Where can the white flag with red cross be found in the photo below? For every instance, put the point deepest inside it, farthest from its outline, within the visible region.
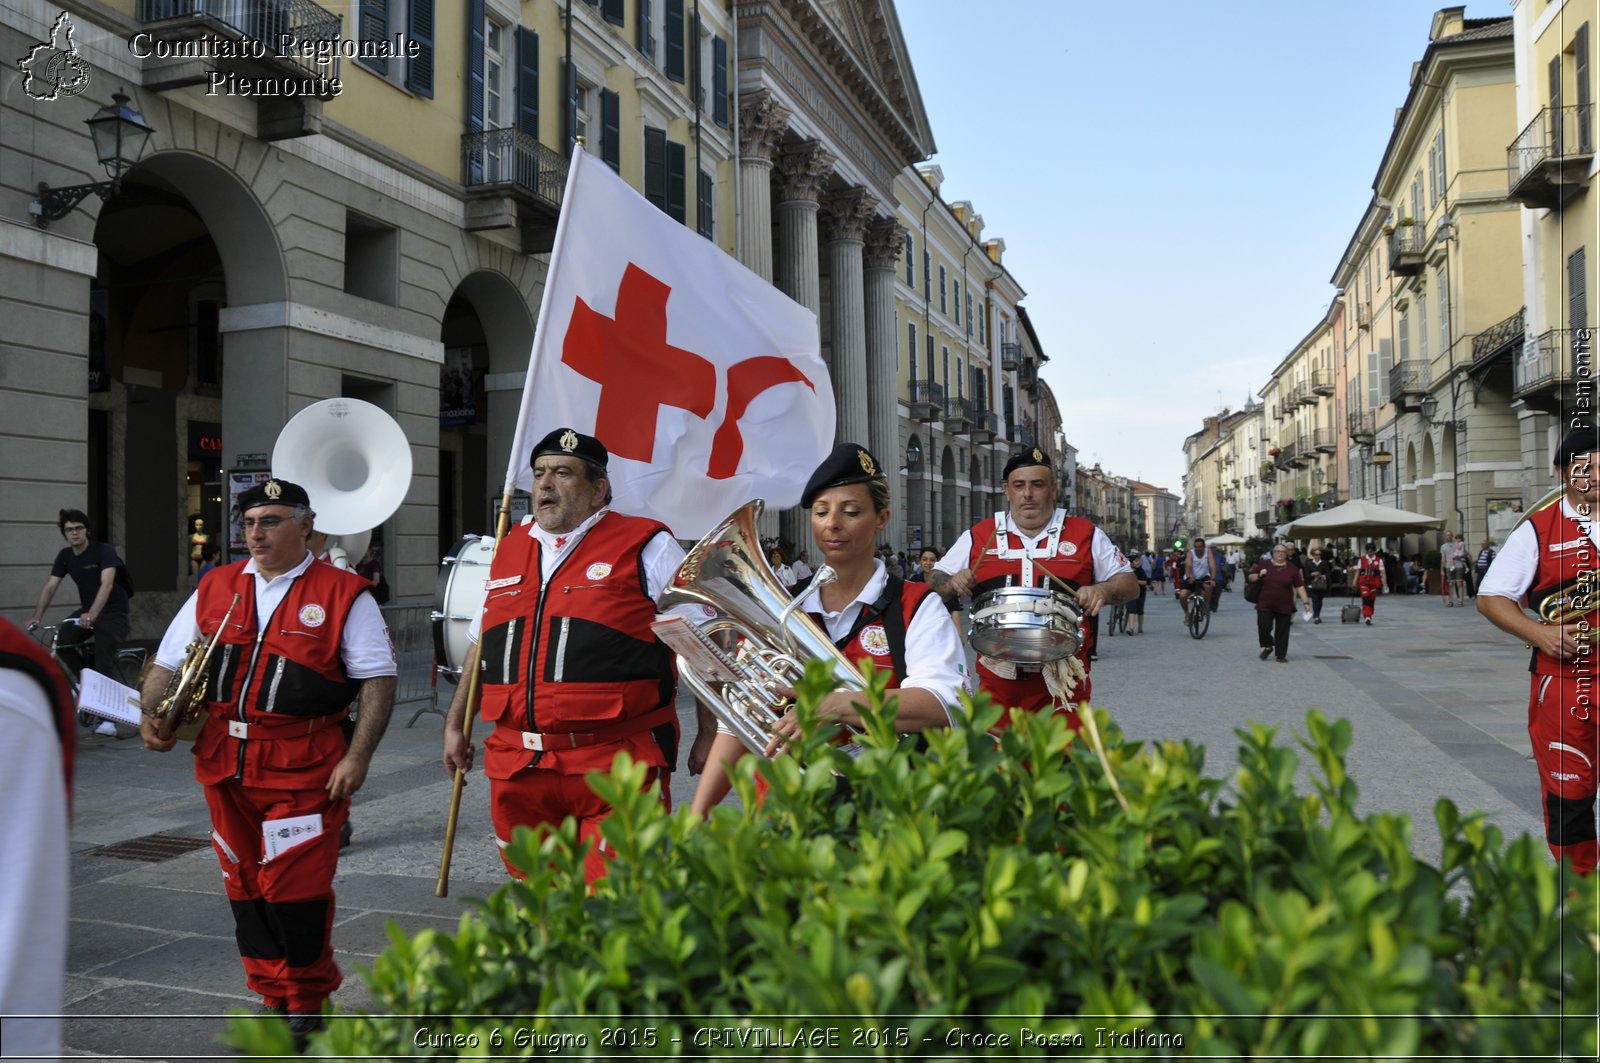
(704, 382)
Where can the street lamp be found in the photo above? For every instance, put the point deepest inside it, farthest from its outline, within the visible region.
(1429, 406)
(120, 134)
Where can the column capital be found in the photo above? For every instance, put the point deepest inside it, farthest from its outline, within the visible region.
(762, 120)
(802, 170)
(847, 212)
(886, 238)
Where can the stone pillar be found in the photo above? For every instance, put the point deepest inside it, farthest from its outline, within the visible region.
(885, 239)
(845, 215)
(761, 124)
(802, 170)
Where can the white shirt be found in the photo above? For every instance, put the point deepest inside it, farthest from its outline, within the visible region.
(34, 882)
(802, 571)
(1517, 563)
(660, 559)
(935, 660)
(365, 649)
(1108, 560)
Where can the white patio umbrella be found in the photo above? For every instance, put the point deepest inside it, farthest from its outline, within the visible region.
(1358, 517)
(1226, 539)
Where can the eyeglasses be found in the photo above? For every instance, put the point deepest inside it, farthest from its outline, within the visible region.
(266, 524)
(74, 528)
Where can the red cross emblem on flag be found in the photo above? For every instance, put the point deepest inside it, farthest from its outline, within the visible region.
(705, 383)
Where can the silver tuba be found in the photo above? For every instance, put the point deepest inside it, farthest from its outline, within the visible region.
(728, 576)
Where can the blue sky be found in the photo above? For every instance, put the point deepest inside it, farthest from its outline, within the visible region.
(1174, 184)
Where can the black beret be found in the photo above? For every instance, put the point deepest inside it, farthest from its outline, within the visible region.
(1022, 459)
(565, 442)
(274, 493)
(1578, 441)
(850, 463)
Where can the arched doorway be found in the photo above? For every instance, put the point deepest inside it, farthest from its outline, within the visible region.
(950, 492)
(918, 531)
(182, 241)
(487, 334)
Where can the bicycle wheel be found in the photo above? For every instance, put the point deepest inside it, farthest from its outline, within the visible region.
(1199, 617)
(1119, 619)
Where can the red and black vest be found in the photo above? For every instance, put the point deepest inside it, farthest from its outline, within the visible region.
(19, 652)
(879, 633)
(286, 681)
(1072, 563)
(1566, 557)
(576, 655)
(1369, 576)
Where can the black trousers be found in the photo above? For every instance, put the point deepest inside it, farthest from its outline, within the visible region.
(108, 632)
(1272, 631)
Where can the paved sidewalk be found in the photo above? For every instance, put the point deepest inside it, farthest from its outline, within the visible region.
(1436, 696)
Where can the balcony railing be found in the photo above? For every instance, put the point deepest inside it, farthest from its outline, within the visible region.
(955, 416)
(1547, 363)
(1324, 441)
(1405, 250)
(1406, 384)
(1549, 161)
(1363, 427)
(1264, 518)
(1321, 382)
(1019, 435)
(1499, 338)
(270, 22)
(512, 180)
(985, 426)
(927, 400)
(1286, 452)
(1299, 454)
(1010, 356)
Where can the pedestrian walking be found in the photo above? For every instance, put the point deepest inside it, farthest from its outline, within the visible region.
(1281, 583)
(1319, 573)
(1370, 581)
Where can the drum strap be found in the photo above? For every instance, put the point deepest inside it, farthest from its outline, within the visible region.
(887, 609)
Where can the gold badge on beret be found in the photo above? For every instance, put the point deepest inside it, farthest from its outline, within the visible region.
(273, 489)
(1038, 455)
(867, 465)
(569, 441)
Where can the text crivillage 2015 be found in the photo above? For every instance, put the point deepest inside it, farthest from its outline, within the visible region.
(317, 51)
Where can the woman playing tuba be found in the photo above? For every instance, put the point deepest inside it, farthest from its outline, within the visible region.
(868, 612)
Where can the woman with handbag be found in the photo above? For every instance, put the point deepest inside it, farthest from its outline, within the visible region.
(1273, 585)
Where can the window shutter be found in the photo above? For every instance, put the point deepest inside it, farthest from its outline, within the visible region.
(374, 15)
(911, 349)
(911, 250)
(641, 31)
(611, 130)
(1577, 282)
(475, 16)
(719, 81)
(1555, 106)
(528, 81)
(672, 31)
(1580, 69)
(419, 74)
(612, 11)
(655, 167)
(677, 183)
(705, 222)
(569, 106)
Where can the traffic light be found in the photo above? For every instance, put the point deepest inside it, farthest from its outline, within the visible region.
(1177, 544)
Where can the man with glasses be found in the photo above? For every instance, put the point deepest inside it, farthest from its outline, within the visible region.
(103, 612)
(304, 640)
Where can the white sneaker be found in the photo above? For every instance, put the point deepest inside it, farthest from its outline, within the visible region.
(1367, 621)
(106, 728)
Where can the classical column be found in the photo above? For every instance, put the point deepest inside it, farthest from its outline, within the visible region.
(802, 169)
(761, 124)
(845, 215)
(885, 240)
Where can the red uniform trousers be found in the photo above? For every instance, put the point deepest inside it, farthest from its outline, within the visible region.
(541, 799)
(283, 908)
(1566, 747)
(1029, 692)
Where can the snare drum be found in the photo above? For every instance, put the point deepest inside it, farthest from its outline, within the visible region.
(458, 599)
(1024, 625)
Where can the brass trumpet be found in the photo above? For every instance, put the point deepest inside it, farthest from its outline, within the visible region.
(1573, 602)
(182, 705)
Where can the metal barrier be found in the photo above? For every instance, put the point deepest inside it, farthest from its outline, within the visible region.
(411, 629)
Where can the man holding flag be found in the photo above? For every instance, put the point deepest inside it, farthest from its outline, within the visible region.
(666, 379)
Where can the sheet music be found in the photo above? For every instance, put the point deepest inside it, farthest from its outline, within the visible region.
(102, 696)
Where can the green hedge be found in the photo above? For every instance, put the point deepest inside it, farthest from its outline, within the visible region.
(968, 899)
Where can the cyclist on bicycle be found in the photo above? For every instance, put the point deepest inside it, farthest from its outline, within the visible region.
(103, 612)
(1201, 567)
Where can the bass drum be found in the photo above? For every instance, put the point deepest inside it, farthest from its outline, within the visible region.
(458, 598)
